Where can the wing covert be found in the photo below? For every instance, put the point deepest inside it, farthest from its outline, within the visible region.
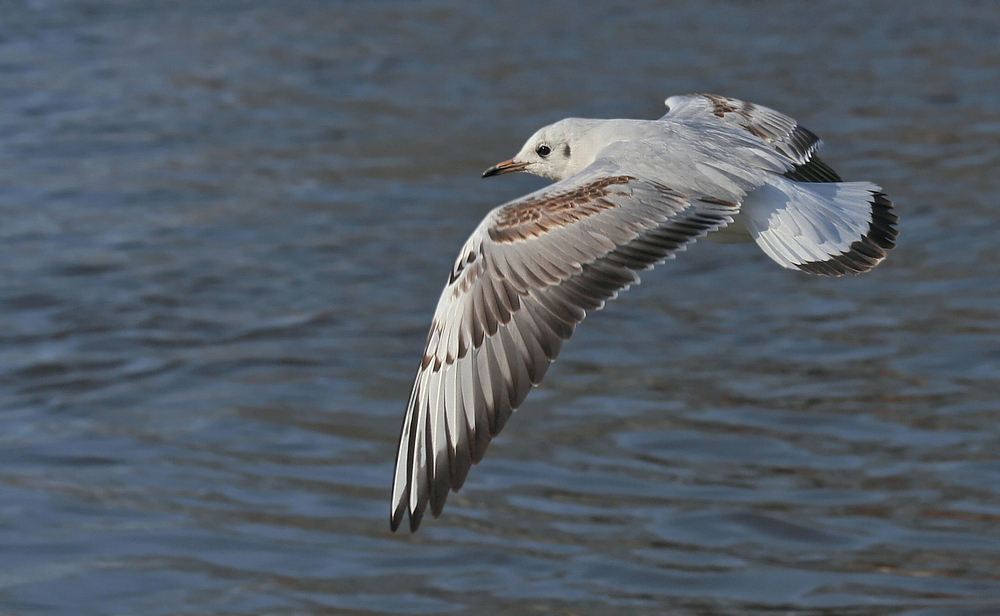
(783, 133)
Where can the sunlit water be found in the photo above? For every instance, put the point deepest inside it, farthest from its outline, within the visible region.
(225, 226)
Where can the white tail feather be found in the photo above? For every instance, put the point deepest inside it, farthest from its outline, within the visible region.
(799, 223)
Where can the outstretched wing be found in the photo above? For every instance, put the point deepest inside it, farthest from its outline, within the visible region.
(824, 226)
(524, 279)
(784, 134)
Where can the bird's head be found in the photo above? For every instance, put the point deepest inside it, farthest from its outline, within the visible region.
(554, 152)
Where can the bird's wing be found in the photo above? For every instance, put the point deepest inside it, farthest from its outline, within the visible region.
(524, 279)
(783, 133)
(824, 226)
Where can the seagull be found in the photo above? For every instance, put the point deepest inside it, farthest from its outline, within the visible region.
(628, 194)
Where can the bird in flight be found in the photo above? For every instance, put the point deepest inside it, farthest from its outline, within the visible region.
(628, 194)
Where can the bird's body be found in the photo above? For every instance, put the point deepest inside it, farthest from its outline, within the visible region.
(628, 194)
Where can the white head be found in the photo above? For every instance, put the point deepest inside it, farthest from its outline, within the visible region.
(555, 152)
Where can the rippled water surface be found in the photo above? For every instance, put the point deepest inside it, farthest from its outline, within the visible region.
(224, 229)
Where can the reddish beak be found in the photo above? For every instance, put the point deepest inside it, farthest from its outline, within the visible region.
(506, 166)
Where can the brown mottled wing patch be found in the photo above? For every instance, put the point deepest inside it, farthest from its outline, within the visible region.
(782, 132)
(521, 284)
(532, 217)
(867, 252)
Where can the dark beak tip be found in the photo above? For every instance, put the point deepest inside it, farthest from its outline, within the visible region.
(506, 166)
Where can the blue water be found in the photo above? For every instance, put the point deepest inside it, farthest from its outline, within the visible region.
(224, 229)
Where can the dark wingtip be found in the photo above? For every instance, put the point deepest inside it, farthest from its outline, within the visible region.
(396, 515)
(813, 170)
(439, 495)
(415, 518)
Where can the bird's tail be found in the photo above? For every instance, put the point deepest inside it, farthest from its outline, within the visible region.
(831, 228)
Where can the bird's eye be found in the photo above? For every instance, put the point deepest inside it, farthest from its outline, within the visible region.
(543, 150)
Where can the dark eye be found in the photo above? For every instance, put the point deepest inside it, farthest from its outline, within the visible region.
(543, 150)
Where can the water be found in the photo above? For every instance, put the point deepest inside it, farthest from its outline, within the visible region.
(225, 226)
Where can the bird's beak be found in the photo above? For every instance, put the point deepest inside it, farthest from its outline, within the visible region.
(506, 166)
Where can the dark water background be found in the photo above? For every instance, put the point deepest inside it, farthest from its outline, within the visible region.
(223, 229)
